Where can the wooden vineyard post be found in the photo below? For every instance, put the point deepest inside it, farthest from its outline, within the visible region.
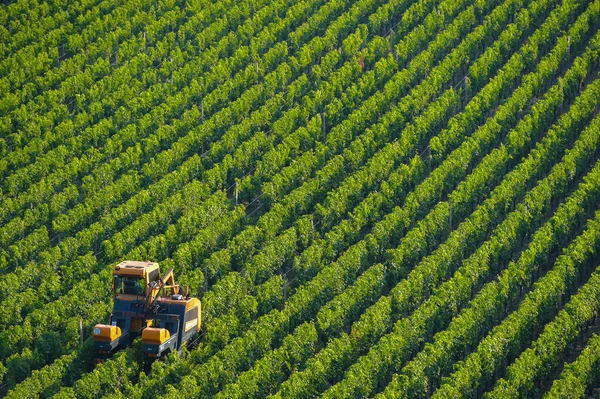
(284, 287)
(206, 279)
(81, 332)
(392, 49)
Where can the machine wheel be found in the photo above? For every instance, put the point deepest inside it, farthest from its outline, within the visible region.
(165, 354)
(193, 342)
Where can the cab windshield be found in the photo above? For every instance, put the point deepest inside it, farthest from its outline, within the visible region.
(129, 285)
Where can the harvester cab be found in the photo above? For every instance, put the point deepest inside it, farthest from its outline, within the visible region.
(143, 299)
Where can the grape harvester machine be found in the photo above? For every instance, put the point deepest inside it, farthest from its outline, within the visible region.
(146, 303)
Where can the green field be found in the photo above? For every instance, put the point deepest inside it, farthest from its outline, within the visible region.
(371, 198)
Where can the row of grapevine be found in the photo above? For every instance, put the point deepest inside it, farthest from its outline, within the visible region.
(372, 135)
(28, 22)
(361, 193)
(547, 351)
(275, 366)
(70, 197)
(313, 381)
(244, 240)
(361, 367)
(308, 380)
(179, 98)
(100, 131)
(326, 325)
(51, 101)
(157, 190)
(578, 377)
(425, 370)
(38, 59)
(42, 322)
(420, 239)
(507, 339)
(148, 54)
(228, 326)
(409, 333)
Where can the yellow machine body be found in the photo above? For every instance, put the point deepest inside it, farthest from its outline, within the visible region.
(106, 333)
(150, 305)
(155, 336)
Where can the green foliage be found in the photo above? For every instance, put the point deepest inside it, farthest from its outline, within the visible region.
(370, 198)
